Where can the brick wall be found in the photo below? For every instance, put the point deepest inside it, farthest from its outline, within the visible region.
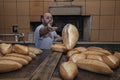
(105, 16)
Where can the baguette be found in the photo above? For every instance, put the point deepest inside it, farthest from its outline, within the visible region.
(70, 36)
(26, 57)
(117, 54)
(92, 48)
(35, 50)
(111, 61)
(5, 48)
(95, 57)
(17, 59)
(93, 53)
(32, 55)
(75, 57)
(98, 49)
(58, 47)
(81, 49)
(94, 66)
(18, 48)
(106, 52)
(71, 52)
(68, 70)
(8, 65)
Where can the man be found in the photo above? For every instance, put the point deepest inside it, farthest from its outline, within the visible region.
(45, 34)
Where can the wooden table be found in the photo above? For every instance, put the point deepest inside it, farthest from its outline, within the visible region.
(38, 69)
(46, 67)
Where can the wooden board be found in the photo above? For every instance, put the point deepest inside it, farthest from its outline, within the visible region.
(47, 67)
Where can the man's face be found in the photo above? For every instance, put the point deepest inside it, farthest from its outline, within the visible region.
(48, 18)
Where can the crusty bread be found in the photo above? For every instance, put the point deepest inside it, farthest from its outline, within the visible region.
(99, 49)
(68, 70)
(71, 52)
(106, 52)
(94, 66)
(70, 36)
(92, 48)
(5, 48)
(93, 53)
(17, 59)
(35, 50)
(111, 61)
(32, 55)
(81, 49)
(8, 65)
(117, 54)
(75, 57)
(26, 57)
(18, 48)
(95, 57)
(59, 47)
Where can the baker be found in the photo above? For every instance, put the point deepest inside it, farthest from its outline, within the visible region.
(45, 34)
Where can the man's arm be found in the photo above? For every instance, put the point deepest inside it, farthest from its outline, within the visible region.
(45, 30)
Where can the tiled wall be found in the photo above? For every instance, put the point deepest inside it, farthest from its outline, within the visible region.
(105, 16)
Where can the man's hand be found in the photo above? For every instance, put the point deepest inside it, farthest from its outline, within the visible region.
(47, 29)
(51, 28)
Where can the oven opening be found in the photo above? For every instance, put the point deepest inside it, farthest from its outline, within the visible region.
(82, 22)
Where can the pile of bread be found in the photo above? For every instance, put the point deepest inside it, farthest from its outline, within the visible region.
(13, 57)
(94, 59)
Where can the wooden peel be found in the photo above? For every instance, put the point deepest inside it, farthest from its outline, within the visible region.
(47, 67)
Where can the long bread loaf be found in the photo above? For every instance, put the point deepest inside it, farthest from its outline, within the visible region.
(8, 65)
(68, 70)
(70, 36)
(94, 66)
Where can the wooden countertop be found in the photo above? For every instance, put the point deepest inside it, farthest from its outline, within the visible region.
(46, 67)
(40, 68)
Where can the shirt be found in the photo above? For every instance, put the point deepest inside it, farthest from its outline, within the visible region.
(44, 42)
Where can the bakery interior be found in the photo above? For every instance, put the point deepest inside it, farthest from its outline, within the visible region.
(97, 21)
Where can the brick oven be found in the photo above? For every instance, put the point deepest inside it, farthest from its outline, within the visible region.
(82, 22)
(63, 15)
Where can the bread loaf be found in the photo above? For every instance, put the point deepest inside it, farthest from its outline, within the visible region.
(94, 48)
(32, 55)
(59, 47)
(17, 59)
(8, 65)
(68, 70)
(35, 50)
(111, 61)
(5, 48)
(70, 36)
(75, 57)
(94, 66)
(117, 54)
(18, 48)
(26, 57)
(93, 53)
(95, 57)
(98, 49)
(71, 52)
(81, 49)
